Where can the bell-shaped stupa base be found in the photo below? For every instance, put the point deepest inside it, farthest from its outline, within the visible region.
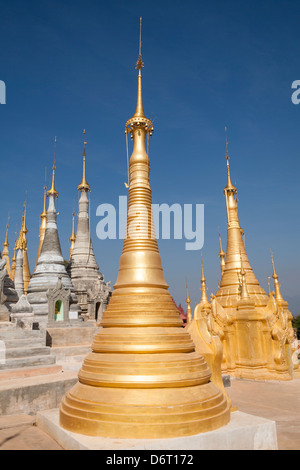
(143, 381)
(143, 413)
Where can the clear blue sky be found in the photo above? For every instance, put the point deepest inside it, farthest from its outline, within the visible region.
(69, 65)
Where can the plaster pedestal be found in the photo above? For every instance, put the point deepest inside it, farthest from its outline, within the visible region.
(243, 432)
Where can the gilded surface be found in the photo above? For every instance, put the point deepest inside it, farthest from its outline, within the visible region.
(143, 378)
(255, 328)
(72, 238)
(21, 244)
(5, 253)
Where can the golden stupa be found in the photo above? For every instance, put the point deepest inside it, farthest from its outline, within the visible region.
(143, 378)
(206, 339)
(21, 244)
(255, 328)
(5, 252)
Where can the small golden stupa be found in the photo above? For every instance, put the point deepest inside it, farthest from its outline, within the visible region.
(5, 252)
(143, 378)
(206, 339)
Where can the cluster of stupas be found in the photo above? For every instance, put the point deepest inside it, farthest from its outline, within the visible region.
(147, 376)
(88, 292)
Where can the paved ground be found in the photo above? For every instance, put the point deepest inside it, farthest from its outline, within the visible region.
(278, 401)
(20, 433)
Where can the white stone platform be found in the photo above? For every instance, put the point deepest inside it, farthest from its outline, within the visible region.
(244, 432)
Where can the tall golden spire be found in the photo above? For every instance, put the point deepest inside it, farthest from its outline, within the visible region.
(229, 186)
(222, 256)
(43, 225)
(139, 112)
(230, 192)
(24, 229)
(189, 315)
(26, 269)
(5, 252)
(84, 184)
(278, 295)
(6, 244)
(21, 244)
(228, 293)
(143, 378)
(72, 238)
(204, 300)
(139, 119)
(52, 191)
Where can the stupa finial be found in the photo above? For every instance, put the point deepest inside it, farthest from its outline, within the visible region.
(139, 120)
(189, 315)
(278, 294)
(84, 186)
(52, 191)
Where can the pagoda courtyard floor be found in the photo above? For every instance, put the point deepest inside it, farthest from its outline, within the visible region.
(277, 401)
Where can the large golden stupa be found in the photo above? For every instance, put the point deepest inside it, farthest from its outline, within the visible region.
(143, 378)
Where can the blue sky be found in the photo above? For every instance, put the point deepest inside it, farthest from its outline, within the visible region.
(69, 65)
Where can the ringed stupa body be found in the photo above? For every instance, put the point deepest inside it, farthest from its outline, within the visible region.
(143, 378)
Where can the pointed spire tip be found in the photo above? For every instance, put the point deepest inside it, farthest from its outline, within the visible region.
(84, 184)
